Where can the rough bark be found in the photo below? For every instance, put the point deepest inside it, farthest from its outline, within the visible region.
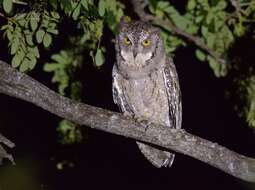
(19, 85)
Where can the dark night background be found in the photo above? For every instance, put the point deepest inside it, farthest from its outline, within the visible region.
(109, 161)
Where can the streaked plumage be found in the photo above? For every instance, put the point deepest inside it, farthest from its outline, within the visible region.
(145, 82)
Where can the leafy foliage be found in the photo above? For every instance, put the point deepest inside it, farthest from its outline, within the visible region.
(33, 31)
(25, 32)
(247, 92)
(70, 133)
(33, 27)
(217, 24)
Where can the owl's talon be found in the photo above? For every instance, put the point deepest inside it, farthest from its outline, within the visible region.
(166, 162)
(145, 123)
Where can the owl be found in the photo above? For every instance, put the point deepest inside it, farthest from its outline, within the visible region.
(145, 82)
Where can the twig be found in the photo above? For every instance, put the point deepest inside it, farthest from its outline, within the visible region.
(236, 4)
(139, 9)
(3, 153)
(20, 2)
(19, 85)
(3, 16)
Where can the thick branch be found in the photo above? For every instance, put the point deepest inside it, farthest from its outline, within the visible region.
(139, 9)
(16, 84)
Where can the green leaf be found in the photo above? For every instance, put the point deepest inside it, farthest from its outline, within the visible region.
(221, 5)
(49, 67)
(162, 5)
(99, 28)
(66, 6)
(219, 69)
(191, 4)
(52, 31)
(84, 4)
(51, 26)
(70, 133)
(32, 63)
(9, 35)
(24, 65)
(39, 35)
(180, 21)
(34, 50)
(76, 12)
(101, 7)
(16, 60)
(76, 90)
(119, 14)
(29, 39)
(63, 85)
(199, 19)
(4, 27)
(33, 24)
(210, 40)
(7, 5)
(15, 46)
(204, 31)
(62, 57)
(200, 55)
(110, 18)
(22, 22)
(47, 39)
(99, 58)
(192, 29)
(209, 17)
(55, 14)
(32, 60)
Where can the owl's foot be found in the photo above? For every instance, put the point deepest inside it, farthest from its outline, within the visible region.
(145, 123)
(168, 161)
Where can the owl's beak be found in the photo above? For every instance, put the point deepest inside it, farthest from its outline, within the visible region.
(135, 53)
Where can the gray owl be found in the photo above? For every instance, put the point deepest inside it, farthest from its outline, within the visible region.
(145, 82)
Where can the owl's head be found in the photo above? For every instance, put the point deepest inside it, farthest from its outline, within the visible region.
(138, 42)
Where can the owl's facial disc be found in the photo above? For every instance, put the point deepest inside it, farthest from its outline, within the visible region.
(136, 51)
(133, 58)
(138, 44)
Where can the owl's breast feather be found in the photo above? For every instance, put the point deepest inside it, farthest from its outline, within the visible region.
(147, 98)
(129, 69)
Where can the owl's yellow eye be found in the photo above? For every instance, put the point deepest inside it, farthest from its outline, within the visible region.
(127, 41)
(146, 42)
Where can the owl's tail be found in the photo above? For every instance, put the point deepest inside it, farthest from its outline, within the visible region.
(157, 157)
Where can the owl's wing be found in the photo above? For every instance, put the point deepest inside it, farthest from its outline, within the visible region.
(173, 93)
(117, 91)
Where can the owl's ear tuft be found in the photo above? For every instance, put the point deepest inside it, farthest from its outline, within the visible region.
(155, 31)
(124, 22)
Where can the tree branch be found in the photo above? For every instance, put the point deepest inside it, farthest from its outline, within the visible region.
(19, 85)
(139, 6)
(3, 153)
(236, 4)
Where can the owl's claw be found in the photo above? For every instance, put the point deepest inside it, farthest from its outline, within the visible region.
(166, 162)
(145, 123)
